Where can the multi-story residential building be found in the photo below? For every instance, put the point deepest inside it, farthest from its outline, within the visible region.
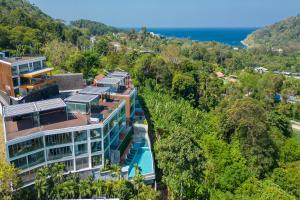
(22, 76)
(80, 131)
(83, 130)
(121, 88)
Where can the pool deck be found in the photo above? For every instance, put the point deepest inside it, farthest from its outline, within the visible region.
(144, 156)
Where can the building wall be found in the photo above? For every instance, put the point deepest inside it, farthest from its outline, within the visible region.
(130, 104)
(6, 83)
(40, 149)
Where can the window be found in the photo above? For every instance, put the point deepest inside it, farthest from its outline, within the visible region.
(80, 149)
(44, 63)
(96, 146)
(24, 68)
(106, 154)
(14, 70)
(56, 139)
(17, 91)
(82, 163)
(80, 136)
(58, 153)
(96, 160)
(16, 82)
(106, 142)
(77, 107)
(106, 130)
(36, 158)
(25, 147)
(20, 163)
(95, 134)
(37, 65)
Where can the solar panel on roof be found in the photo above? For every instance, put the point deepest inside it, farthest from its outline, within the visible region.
(110, 81)
(29, 108)
(19, 109)
(95, 90)
(50, 104)
(82, 98)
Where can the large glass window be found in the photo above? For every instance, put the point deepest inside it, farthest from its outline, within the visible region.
(106, 142)
(20, 163)
(16, 82)
(24, 68)
(96, 160)
(37, 65)
(77, 107)
(58, 153)
(82, 163)
(106, 129)
(25, 147)
(80, 136)
(14, 70)
(95, 134)
(80, 149)
(96, 146)
(36, 158)
(57, 139)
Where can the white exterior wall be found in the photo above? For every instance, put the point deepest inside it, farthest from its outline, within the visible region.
(87, 128)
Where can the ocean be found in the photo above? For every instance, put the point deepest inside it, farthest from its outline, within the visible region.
(229, 36)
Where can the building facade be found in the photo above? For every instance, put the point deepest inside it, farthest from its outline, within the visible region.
(82, 131)
(21, 76)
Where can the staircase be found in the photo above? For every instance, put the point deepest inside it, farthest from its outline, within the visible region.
(130, 156)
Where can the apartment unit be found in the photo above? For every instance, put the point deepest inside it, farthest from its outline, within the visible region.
(121, 88)
(22, 76)
(81, 131)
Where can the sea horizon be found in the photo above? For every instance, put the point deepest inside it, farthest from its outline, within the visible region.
(232, 36)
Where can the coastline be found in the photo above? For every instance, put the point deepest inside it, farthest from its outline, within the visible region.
(245, 44)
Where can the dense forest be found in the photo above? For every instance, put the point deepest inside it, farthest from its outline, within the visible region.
(213, 137)
(284, 35)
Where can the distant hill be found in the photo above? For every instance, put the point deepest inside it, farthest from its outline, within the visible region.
(93, 27)
(24, 28)
(284, 35)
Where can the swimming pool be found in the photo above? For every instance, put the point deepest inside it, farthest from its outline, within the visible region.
(144, 160)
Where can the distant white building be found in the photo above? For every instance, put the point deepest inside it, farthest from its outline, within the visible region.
(260, 70)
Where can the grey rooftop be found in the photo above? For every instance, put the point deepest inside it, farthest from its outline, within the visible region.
(118, 74)
(29, 108)
(110, 81)
(94, 90)
(81, 98)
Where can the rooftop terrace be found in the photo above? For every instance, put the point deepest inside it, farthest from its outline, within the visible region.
(29, 118)
(13, 60)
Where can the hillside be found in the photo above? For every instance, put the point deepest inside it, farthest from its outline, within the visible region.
(93, 27)
(24, 28)
(284, 34)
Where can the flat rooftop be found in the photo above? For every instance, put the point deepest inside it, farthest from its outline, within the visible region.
(95, 90)
(53, 119)
(13, 60)
(110, 81)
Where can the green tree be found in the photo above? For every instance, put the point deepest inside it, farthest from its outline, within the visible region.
(41, 183)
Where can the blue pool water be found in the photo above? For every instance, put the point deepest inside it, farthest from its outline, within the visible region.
(144, 160)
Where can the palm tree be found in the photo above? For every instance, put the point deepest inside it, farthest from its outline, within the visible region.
(98, 187)
(85, 188)
(41, 183)
(117, 170)
(138, 179)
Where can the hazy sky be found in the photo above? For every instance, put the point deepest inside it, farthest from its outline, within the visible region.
(173, 13)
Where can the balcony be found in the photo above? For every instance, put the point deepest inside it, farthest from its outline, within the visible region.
(37, 83)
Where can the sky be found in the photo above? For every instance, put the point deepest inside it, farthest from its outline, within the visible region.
(173, 13)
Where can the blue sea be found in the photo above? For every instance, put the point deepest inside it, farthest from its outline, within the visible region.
(229, 36)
